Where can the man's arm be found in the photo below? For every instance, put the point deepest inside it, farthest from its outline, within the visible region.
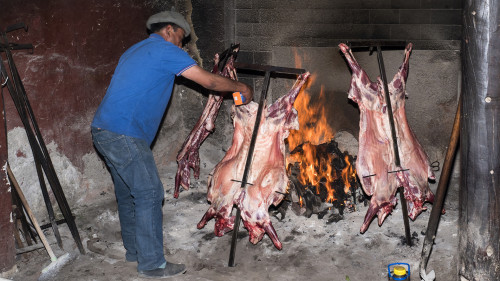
(218, 83)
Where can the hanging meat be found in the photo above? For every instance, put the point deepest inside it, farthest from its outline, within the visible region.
(267, 179)
(375, 164)
(188, 157)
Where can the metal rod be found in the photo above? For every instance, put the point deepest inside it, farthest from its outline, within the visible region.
(269, 68)
(389, 105)
(16, 26)
(402, 170)
(48, 203)
(41, 148)
(48, 225)
(16, 47)
(405, 215)
(262, 103)
(37, 154)
(375, 43)
(394, 140)
(242, 181)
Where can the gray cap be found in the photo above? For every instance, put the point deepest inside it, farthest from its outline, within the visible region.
(170, 16)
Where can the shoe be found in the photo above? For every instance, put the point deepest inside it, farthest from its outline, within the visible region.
(170, 270)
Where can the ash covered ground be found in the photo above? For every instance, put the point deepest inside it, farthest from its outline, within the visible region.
(313, 249)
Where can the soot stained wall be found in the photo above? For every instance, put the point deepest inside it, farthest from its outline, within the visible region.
(76, 48)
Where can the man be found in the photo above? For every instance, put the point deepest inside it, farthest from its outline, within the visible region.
(126, 123)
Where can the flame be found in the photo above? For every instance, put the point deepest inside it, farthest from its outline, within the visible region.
(313, 124)
(314, 129)
(316, 170)
(348, 173)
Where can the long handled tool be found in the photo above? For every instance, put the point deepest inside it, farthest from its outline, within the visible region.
(437, 207)
(378, 45)
(30, 214)
(267, 70)
(56, 263)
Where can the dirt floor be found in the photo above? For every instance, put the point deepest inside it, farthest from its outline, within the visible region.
(313, 248)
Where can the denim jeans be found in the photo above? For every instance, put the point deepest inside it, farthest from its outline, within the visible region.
(139, 194)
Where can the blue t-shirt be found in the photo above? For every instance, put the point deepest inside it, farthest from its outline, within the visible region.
(140, 89)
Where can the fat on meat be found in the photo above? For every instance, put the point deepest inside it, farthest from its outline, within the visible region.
(267, 179)
(188, 157)
(375, 164)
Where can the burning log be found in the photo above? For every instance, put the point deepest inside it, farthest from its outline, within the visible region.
(322, 178)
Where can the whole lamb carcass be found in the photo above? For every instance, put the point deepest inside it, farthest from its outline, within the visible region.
(188, 157)
(375, 165)
(267, 179)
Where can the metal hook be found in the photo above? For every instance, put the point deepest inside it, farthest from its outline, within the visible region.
(435, 166)
(5, 82)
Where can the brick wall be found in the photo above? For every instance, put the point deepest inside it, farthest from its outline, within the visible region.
(260, 25)
(274, 32)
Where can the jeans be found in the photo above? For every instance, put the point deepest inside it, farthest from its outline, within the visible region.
(139, 194)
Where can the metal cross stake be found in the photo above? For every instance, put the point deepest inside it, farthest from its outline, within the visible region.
(267, 69)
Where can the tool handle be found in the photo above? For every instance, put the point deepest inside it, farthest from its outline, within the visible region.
(30, 214)
(437, 208)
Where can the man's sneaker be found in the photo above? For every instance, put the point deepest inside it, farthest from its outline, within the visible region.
(170, 270)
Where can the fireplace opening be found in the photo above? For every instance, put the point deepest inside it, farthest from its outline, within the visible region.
(322, 177)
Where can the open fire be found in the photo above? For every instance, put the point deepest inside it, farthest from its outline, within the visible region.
(322, 176)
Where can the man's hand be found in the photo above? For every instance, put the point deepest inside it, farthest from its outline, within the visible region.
(218, 83)
(247, 93)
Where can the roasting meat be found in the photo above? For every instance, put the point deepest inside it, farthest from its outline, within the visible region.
(375, 164)
(188, 157)
(267, 179)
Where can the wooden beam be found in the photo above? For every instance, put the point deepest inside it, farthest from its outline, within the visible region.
(479, 240)
(7, 242)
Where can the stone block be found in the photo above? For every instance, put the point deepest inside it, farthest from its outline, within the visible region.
(405, 32)
(405, 4)
(247, 16)
(384, 16)
(441, 4)
(453, 17)
(414, 16)
(441, 32)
